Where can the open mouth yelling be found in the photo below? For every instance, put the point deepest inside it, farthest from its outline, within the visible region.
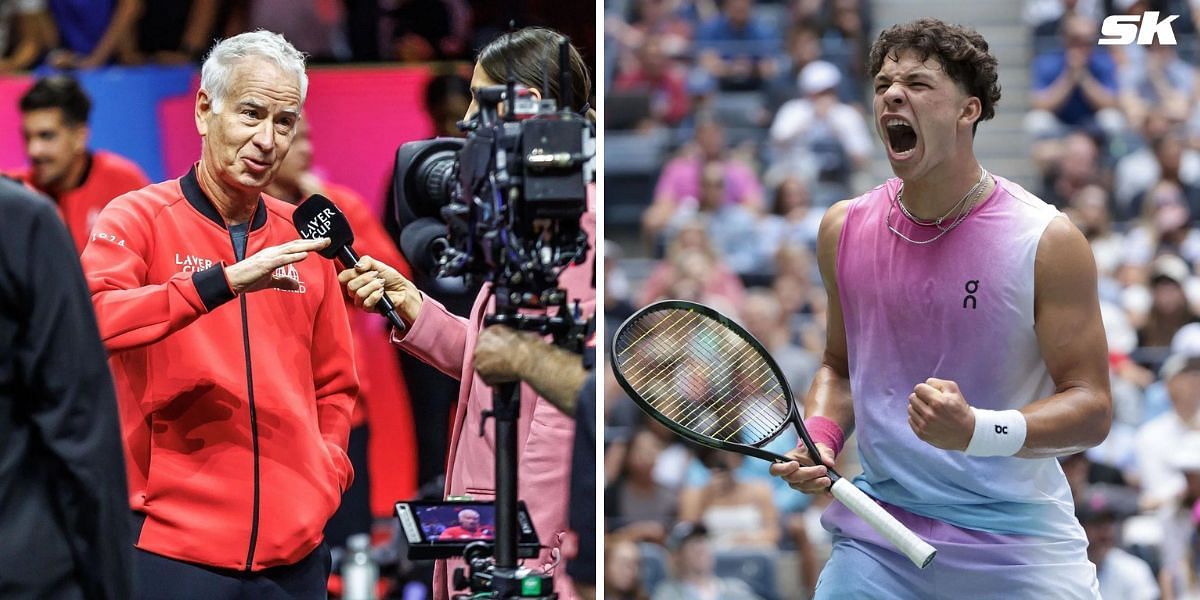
(901, 138)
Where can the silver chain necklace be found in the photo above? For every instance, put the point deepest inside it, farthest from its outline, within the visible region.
(973, 193)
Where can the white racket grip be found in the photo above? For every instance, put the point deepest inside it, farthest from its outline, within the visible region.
(915, 548)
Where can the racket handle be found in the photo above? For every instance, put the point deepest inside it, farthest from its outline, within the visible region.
(916, 549)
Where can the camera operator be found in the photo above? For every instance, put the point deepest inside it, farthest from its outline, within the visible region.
(447, 341)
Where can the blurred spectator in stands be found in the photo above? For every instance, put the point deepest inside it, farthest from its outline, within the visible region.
(1101, 511)
(1137, 171)
(657, 19)
(427, 30)
(1169, 308)
(763, 317)
(792, 219)
(693, 267)
(736, 48)
(1180, 573)
(737, 513)
(447, 97)
(1088, 209)
(1076, 165)
(26, 33)
(1075, 86)
(679, 182)
(1047, 15)
(622, 569)
(803, 47)
(635, 505)
(93, 33)
(730, 227)
(176, 31)
(845, 41)
(618, 293)
(1161, 438)
(653, 74)
(819, 137)
(693, 572)
(1154, 78)
(1164, 226)
(1168, 154)
(54, 124)
(312, 26)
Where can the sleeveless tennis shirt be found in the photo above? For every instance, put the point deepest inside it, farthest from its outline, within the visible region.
(960, 308)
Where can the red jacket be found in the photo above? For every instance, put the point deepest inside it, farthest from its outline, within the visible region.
(235, 411)
(108, 176)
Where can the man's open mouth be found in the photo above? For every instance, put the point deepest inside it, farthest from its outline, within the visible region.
(901, 136)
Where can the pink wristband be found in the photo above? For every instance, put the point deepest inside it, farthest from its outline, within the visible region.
(824, 431)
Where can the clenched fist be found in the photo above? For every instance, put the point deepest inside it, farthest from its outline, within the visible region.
(939, 415)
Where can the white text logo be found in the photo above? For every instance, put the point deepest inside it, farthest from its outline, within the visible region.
(192, 264)
(290, 272)
(1122, 30)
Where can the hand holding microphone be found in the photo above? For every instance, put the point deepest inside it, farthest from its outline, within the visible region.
(371, 282)
(317, 217)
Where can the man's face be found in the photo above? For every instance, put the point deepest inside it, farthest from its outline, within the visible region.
(299, 157)
(468, 520)
(53, 145)
(928, 112)
(248, 139)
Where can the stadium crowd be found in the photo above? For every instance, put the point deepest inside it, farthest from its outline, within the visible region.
(731, 126)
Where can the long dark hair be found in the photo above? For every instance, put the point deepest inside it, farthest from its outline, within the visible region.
(529, 52)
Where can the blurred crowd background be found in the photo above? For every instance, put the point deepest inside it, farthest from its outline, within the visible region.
(381, 72)
(732, 124)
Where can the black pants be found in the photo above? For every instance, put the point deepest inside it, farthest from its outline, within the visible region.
(158, 577)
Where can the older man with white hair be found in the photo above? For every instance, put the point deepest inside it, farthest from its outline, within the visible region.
(230, 349)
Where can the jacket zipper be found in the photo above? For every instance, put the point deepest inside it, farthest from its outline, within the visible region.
(253, 414)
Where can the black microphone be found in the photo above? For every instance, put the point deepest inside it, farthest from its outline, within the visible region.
(317, 217)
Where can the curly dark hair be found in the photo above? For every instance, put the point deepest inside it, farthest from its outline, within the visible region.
(961, 51)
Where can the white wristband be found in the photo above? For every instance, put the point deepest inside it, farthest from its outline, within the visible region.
(997, 433)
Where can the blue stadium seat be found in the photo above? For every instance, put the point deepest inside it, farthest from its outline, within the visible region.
(655, 565)
(754, 566)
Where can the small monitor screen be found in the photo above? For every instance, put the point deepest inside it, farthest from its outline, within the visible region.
(457, 523)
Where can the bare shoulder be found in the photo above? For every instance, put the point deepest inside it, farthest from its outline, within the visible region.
(829, 235)
(1063, 250)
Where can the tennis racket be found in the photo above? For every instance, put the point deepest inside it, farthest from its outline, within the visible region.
(708, 380)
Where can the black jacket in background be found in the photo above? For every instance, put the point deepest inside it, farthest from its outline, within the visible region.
(64, 506)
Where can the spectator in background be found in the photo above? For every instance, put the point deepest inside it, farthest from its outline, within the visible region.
(680, 178)
(1164, 227)
(312, 26)
(636, 506)
(1168, 154)
(803, 47)
(622, 569)
(659, 19)
(1169, 306)
(1160, 438)
(1179, 576)
(736, 48)
(737, 512)
(26, 33)
(176, 31)
(93, 33)
(693, 573)
(427, 30)
(1089, 211)
(1073, 86)
(66, 515)
(792, 219)
(731, 228)
(54, 124)
(764, 318)
(655, 75)
(693, 270)
(1137, 171)
(447, 97)
(1121, 574)
(1154, 78)
(818, 136)
(1077, 165)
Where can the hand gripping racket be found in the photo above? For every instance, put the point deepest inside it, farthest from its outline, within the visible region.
(710, 381)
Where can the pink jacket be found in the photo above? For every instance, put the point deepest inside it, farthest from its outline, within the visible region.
(544, 435)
